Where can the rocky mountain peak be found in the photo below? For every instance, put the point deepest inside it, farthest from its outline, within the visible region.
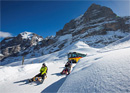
(97, 11)
(26, 35)
(94, 6)
(13, 45)
(94, 12)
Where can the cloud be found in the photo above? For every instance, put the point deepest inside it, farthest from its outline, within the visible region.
(5, 34)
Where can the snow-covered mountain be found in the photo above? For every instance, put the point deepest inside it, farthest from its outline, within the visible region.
(13, 46)
(97, 27)
(104, 70)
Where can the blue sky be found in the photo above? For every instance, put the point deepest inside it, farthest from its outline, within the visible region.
(45, 18)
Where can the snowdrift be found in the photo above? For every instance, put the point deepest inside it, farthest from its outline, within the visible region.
(105, 72)
(79, 47)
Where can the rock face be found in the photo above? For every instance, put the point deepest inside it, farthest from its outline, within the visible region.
(97, 20)
(96, 11)
(13, 45)
(97, 27)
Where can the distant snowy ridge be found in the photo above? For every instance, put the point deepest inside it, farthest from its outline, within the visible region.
(123, 40)
(122, 43)
(29, 35)
(26, 35)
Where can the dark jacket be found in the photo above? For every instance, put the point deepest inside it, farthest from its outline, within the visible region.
(68, 64)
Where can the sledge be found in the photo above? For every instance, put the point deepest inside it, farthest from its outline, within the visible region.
(64, 72)
(39, 79)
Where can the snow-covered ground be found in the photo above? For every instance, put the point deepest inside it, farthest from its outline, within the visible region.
(105, 70)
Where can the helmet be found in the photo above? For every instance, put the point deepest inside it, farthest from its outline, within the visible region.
(44, 64)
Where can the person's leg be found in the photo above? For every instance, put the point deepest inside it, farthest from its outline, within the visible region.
(64, 70)
(69, 69)
(43, 76)
(36, 76)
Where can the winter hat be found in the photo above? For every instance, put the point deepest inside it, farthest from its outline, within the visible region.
(44, 64)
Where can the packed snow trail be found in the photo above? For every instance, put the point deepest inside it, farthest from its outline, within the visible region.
(19, 83)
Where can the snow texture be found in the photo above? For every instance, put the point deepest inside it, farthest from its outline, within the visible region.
(105, 70)
(68, 36)
(26, 35)
(29, 35)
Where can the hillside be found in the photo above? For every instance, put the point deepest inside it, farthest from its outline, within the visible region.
(16, 75)
(101, 71)
(105, 72)
(97, 27)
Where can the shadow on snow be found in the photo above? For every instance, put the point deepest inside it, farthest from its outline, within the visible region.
(25, 81)
(55, 86)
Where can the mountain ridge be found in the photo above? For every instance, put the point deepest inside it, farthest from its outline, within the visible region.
(97, 27)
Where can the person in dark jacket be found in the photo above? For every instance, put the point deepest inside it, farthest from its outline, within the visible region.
(68, 66)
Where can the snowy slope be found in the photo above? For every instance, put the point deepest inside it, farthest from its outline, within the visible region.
(15, 75)
(122, 43)
(14, 78)
(101, 71)
(106, 72)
